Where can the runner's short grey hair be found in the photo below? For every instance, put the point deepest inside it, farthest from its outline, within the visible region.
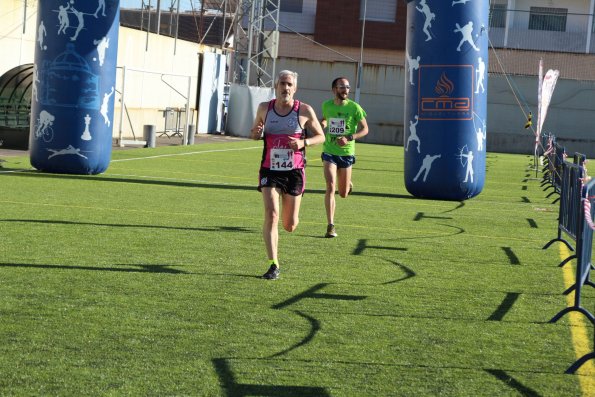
(287, 73)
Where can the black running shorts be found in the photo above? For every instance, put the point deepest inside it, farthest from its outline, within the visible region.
(292, 182)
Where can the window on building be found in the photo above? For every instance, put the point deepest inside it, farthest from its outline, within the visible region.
(378, 10)
(546, 18)
(498, 16)
(286, 5)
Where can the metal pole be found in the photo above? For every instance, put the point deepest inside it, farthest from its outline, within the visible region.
(158, 16)
(590, 27)
(260, 73)
(185, 136)
(250, 44)
(177, 27)
(508, 23)
(361, 56)
(142, 15)
(171, 15)
(122, 105)
(24, 16)
(148, 27)
(201, 22)
(223, 30)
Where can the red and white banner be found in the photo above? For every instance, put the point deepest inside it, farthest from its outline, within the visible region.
(587, 208)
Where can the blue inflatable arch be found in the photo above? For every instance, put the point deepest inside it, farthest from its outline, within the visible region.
(446, 98)
(74, 82)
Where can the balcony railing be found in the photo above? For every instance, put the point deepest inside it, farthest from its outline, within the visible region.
(528, 30)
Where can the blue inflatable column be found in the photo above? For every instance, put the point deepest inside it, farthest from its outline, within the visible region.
(72, 101)
(446, 98)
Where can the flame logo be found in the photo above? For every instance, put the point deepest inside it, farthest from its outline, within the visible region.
(444, 86)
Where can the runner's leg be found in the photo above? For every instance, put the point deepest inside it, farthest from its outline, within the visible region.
(344, 177)
(291, 211)
(330, 175)
(270, 231)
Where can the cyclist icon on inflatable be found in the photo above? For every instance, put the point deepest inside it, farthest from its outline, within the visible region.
(44, 126)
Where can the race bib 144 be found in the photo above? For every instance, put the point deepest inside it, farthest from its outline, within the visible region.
(281, 159)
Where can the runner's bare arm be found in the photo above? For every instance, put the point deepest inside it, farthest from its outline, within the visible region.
(258, 125)
(362, 129)
(309, 121)
(312, 125)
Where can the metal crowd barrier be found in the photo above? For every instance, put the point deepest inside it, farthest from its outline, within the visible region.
(547, 143)
(554, 174)
(576, 219)
(570, 202)
(584, 247)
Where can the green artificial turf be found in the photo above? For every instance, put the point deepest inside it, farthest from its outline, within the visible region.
(144, 281)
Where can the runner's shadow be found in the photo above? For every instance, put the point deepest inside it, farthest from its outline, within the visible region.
(142, 181)
(141, 268)
(233, 229)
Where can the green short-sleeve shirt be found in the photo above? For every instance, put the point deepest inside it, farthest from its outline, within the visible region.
(341, 121)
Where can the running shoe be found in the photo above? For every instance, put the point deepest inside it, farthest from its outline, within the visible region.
(350, 187)
(330, 231)
(272, 273)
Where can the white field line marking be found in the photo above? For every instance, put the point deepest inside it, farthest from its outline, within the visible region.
(15, 171)
(186, 154)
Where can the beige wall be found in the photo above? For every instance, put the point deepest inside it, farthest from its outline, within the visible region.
(145, 93)
(166, 63)
(17, 48)
(570, 117)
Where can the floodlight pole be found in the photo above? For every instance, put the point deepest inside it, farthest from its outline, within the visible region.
(158, 16)
(25, 16)
(148, 26)
(361, 56)
(122, 93)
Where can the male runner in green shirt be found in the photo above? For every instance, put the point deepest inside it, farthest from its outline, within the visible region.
(343, 121)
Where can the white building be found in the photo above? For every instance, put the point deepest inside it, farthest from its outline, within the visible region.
(321, 43)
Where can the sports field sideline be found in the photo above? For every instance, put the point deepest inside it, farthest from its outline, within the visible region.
(145, 281)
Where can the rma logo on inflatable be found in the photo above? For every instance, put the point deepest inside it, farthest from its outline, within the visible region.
(445, 92)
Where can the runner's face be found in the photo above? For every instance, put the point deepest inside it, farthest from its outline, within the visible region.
(285, 88)
(341, 90)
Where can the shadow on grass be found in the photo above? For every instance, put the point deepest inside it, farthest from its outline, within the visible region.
(505, 306)
(201, 229)
(421, 215)
(234, 389)
(143, 181)
(141, 269)
(408, 273)
(514, 260)
(313, 294)
(513, 383)
(459, 206)
(147, 181)
(362, 245)
(314, 328)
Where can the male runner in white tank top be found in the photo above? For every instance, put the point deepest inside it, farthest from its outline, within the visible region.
(283, 122)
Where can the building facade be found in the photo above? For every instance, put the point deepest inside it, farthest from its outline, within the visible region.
(323, 39)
